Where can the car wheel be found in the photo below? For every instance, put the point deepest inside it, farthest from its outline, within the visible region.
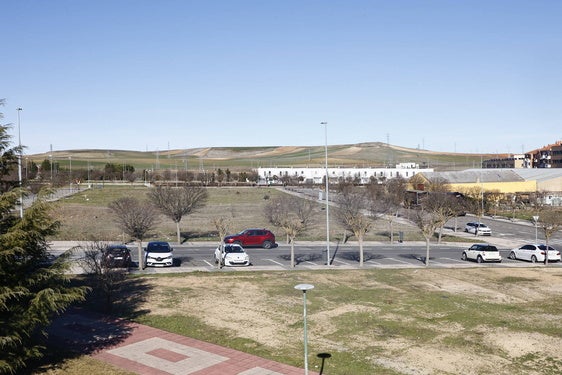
(266, 244)
(533, 259)
(463, 256)
(479, 259)
(512, 255)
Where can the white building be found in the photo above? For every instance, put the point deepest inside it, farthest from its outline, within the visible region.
(316, 175)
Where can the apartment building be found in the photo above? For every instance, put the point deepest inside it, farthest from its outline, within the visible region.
(509, 161)
(549, 156)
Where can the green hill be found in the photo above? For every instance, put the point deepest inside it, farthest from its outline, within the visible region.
(375, 154)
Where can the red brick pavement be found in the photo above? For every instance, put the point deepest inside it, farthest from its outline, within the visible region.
(146, 350)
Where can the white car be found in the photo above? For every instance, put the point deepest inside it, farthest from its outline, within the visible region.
(534, 253)
(482, 252)
(479, 229)
(232, 255)
(158, 254)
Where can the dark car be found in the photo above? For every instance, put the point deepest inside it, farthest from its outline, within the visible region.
(116, 256)
(253, 237)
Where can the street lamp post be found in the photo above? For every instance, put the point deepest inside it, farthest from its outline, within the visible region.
(19, 109)
(327, 194)
(536, 220)
(304, 288)
(70, 172)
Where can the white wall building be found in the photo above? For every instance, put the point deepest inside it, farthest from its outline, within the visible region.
(316, 175)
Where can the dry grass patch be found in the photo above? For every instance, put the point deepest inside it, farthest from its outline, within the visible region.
(468, 321)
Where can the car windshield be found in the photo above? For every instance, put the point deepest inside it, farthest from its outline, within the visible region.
(118, 251)
(543, 247)
(490, 248)
(158, 248)
(483, 225)
(233, 249)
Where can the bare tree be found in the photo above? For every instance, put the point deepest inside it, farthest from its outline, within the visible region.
(107, 281)
(443, 206)
(352, 214)
(292, 214)
(387, 200)
(550, 221)
(475, 201)
(176, 203)
(136, 219)
(222, 224)
(428, 222)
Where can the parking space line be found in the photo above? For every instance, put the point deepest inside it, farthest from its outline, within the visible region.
(274, 261)
(399, 261)
(454, 260)
(339, 261)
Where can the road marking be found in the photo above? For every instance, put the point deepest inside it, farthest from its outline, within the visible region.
(209, 264)
(454, 260)
(276, 262)
(339, 261)
(399, 261)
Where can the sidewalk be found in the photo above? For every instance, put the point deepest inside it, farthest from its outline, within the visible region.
(150, 351)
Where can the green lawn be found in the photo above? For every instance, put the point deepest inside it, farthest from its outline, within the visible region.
(473, 321)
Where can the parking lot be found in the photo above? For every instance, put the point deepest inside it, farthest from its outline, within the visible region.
(198, 256)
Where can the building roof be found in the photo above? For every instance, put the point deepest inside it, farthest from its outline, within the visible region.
(476, 175)
(497, 175)
(539, 174)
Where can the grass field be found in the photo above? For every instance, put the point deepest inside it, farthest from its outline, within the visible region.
(415, 321)
(86, 216)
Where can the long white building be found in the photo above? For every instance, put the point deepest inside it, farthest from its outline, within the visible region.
(316, 175)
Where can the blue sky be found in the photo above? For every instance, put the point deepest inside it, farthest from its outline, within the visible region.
(464, 76)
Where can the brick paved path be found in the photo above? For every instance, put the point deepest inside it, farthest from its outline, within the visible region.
(146, 350)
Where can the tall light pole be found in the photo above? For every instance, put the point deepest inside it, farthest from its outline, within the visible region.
(19, 109)
(327, 194)
(70, 172)
(304, 288)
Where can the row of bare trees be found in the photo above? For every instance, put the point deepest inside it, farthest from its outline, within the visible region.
(356, 208)
(137, 218)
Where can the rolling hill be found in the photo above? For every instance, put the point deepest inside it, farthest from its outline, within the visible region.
(374, 154)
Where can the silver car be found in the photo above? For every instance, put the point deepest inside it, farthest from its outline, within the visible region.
(534, 253)
(479, 229)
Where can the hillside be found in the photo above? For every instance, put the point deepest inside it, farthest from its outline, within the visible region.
(374, 154)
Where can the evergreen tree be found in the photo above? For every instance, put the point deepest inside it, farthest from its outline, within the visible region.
(33, 289)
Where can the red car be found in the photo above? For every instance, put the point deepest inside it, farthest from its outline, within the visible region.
(252, 237)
